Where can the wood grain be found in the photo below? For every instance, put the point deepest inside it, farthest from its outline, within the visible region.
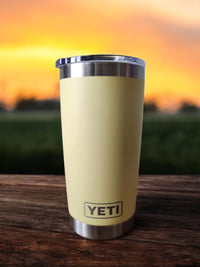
(35, 231)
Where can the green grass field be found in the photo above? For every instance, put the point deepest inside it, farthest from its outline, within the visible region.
(31, 143)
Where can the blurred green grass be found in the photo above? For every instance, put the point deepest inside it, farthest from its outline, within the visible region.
(171, 144)
(30, 143)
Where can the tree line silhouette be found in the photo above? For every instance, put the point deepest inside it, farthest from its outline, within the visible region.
(185, 107)
(33, 104)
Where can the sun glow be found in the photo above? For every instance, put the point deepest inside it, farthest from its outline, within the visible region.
(34, 36)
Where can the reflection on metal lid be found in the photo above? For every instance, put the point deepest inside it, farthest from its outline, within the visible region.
(100, 58)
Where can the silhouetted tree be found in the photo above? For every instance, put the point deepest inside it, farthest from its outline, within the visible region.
(50, 104)
(2, 107)
(188, 107)
(32, 104)
(28, 104)
(150, 107)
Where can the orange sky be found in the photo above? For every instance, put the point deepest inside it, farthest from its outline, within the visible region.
(166, 34)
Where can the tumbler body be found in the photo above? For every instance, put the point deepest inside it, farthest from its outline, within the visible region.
(101, 112)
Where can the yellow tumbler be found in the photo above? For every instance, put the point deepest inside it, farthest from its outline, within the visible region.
(102, 113)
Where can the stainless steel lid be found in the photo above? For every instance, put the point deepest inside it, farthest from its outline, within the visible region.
(101, 65)
(102, 58)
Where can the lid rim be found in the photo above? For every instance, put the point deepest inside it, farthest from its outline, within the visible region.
(100, 58)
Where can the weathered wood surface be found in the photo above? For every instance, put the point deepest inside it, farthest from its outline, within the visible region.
(35, 231)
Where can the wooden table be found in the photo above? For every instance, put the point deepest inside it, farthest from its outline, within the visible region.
(35, 231)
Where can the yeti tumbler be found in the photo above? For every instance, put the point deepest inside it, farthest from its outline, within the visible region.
(102, 112)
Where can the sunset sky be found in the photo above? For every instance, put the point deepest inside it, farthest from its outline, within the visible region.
(166, 34)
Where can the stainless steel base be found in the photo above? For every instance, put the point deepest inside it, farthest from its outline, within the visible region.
(101, 232)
